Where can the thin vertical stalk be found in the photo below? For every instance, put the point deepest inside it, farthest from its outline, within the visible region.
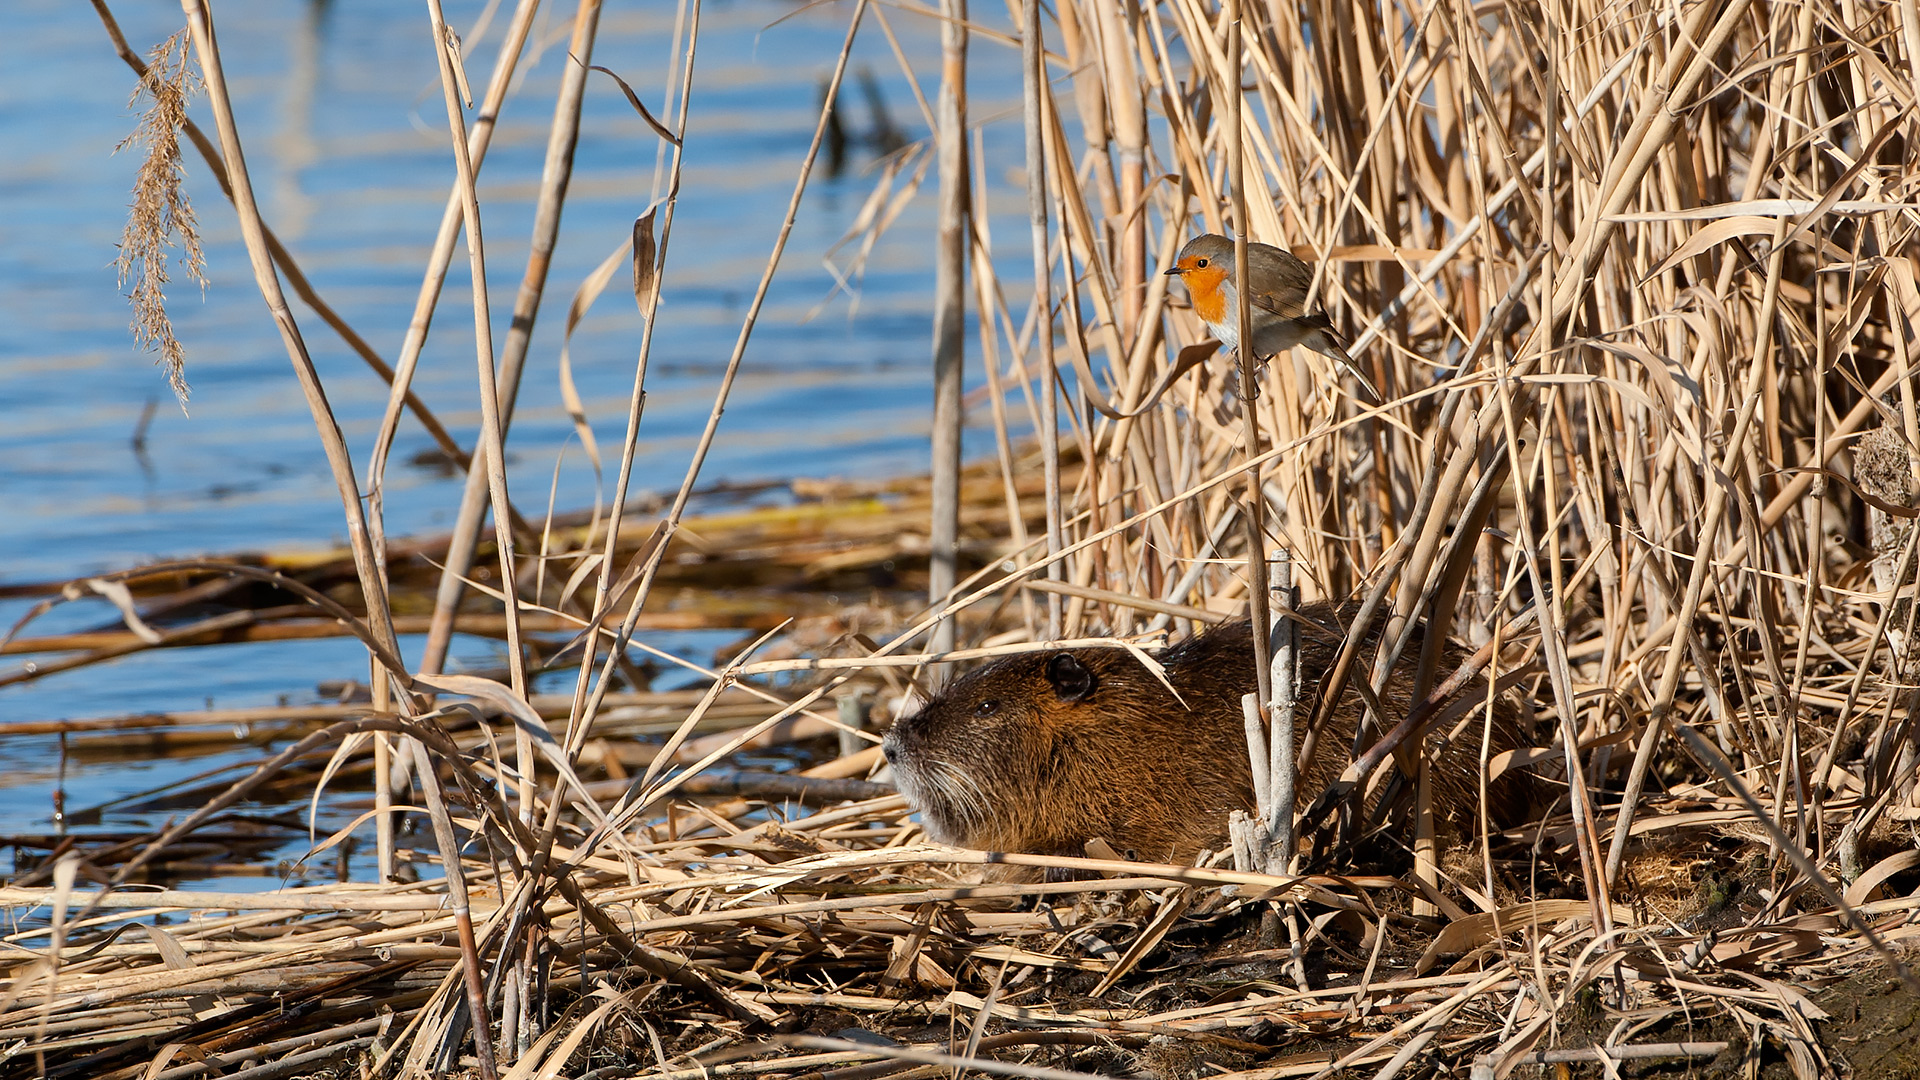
(580, 719)
(478, 139)
(462, 912)
(949, 314)
(1033, 84)
(492, 434)
(986, 288)
(1256, 516)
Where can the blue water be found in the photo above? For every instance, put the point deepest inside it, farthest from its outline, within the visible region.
(346, 141)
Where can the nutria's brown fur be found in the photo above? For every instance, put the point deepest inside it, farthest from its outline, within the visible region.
(1042, 752)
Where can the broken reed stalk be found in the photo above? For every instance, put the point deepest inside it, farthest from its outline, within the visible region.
(477, 1013)
(1283, 768)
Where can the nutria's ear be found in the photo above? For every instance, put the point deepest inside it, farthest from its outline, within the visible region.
(1071, 679)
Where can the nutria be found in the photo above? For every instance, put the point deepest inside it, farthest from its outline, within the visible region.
(1041, 752)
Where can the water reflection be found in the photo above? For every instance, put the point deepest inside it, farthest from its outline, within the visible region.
(295, 147)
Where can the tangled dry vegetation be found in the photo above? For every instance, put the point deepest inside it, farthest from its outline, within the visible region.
(1637, 281)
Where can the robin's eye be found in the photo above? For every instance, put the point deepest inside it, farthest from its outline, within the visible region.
(1199, 264)
(986, 708)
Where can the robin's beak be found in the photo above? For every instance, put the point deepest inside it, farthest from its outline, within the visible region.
(1175, 272)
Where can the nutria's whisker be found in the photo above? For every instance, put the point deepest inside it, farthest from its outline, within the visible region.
(950, 807)
(966, 793)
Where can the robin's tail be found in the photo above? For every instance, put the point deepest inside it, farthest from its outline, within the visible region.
(1326, 341)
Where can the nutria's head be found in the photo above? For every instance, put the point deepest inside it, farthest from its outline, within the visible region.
(1044, 752)
(978, 758)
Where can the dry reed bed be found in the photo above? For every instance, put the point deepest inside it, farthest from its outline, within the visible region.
(1633, 279)
(768, 932)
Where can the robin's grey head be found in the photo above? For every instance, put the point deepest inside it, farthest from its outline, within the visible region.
(1208, 251)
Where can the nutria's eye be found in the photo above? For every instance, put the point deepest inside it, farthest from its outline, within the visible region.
(986, 708)
(1199, 264)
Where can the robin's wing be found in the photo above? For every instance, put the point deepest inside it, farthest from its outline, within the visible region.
(1319, 321)
(1287, 279)
(1282, 280)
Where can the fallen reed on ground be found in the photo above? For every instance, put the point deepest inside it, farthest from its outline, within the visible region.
(1636, 283)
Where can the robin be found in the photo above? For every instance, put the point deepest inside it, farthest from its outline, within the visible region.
(1277, 307)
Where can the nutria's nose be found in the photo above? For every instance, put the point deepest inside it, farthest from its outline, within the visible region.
(891, 751)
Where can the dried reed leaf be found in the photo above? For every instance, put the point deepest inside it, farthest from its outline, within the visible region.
(342, 754)
(172, 953)
(633, 99)
(644, 254)
(1860, 890)
(1713, 234)
(1465, 935)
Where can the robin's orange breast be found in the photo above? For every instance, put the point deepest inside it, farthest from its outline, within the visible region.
(1209, 298)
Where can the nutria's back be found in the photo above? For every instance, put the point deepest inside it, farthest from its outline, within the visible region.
(1042, 752)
